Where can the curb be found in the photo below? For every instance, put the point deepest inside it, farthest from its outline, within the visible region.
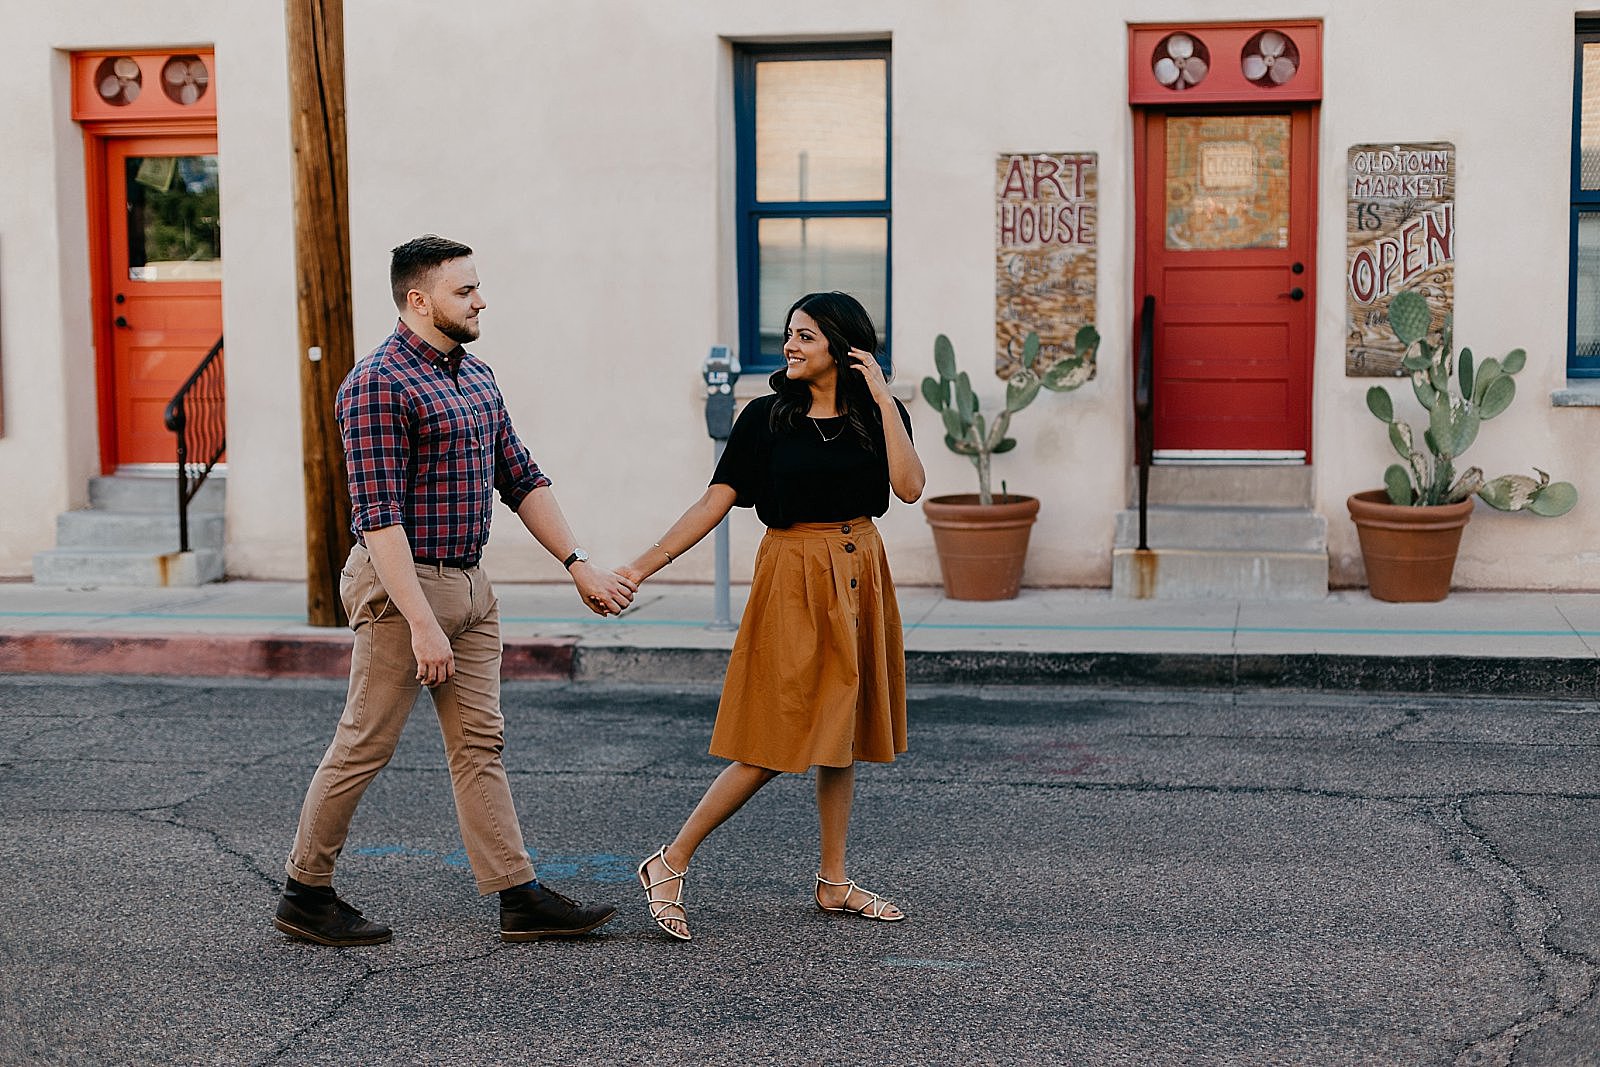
(1544, 676)
(565, 659)
(238, 655)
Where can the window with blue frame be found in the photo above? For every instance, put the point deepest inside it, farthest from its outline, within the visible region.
(812, 137)
(1583, 301)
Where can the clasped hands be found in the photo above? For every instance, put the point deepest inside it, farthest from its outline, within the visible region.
(604, 592)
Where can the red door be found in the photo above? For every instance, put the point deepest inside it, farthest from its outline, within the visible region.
(164, 259)
(1227, 236)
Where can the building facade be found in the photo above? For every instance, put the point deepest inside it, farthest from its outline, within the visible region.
(642, 181)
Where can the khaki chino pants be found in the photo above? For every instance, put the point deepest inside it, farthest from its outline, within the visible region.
(383, 689)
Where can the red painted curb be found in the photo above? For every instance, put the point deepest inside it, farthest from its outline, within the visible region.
(239, 655)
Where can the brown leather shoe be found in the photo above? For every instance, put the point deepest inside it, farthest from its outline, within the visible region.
(537, 913)
(315, 913)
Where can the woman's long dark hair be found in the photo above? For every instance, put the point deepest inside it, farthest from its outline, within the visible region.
(846, 325)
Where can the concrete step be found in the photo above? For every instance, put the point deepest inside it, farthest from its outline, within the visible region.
(1236, 528)
(137, 529)
(1235, 484)
(152, 493)
(1178, 574)
(127, 566)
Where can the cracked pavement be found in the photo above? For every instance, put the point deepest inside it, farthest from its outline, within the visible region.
(1092, 877)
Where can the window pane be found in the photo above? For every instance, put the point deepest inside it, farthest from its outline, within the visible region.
(1227, 182)
(174, 224)
(821, 129)
(1589, 128)
(1586, 331)
(800, 256)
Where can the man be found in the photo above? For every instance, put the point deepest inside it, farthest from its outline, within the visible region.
(428, 442)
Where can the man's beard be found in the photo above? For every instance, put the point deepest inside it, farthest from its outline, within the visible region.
(460, 332)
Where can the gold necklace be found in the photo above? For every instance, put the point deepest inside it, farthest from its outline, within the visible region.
(825, 438)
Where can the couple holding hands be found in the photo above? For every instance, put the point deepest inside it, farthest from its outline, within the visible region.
(817, 673)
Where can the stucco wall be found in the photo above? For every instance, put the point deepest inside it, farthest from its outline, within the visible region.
(47, 366)
(51, 444)
(1504, 99)
(585, 150)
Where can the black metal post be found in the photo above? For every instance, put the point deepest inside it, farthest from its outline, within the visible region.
(1144, 411)
(182, 430)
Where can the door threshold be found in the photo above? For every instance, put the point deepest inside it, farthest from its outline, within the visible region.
(159, 470)
(1174, 457)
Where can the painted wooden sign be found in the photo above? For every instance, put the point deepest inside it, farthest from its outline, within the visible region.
(1401, 235)
(1045, 254)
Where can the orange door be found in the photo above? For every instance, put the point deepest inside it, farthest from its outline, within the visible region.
(164, 256)
(1227, 240)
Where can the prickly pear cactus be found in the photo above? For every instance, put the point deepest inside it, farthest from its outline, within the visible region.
(1458, 395)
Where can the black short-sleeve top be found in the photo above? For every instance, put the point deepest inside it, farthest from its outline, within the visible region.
(817, 472)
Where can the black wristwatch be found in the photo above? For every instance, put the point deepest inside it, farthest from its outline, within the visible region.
(578, 556)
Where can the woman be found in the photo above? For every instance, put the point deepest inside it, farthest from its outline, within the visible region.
(817, 674)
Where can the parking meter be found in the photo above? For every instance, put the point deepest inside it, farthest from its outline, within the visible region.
(721, 370)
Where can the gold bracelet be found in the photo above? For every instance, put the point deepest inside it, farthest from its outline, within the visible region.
(664, 552)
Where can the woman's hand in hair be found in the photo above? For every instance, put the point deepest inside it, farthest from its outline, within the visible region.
(862, 363)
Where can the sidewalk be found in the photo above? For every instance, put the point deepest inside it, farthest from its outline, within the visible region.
(1536, 644)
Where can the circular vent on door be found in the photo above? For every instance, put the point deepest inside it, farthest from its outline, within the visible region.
(118, 80)
(185, 79)
(1270, 58)
(1181, 61)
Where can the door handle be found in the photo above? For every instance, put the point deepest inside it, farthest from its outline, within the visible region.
(1296, 293)
(122, 322)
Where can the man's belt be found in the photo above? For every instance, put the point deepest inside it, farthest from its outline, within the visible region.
(453, 564)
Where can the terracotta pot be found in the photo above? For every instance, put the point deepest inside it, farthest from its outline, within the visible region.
(1410, 551)
(981, 548)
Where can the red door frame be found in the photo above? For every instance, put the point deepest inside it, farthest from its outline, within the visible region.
(1223, 90)
(1303, 198)
(152, 114)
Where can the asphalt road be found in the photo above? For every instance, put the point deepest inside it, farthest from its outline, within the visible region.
(1092, 878)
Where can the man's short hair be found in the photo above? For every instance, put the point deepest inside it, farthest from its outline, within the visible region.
(412, 263)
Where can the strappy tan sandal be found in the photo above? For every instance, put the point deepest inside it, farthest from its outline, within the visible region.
(873, 909)
(659, 906)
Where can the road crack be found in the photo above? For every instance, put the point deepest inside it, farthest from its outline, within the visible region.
(353, 988)
(1565, 980)
(247, 861)
(1408, 717)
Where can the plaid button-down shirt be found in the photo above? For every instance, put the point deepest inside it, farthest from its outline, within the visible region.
(428, 442)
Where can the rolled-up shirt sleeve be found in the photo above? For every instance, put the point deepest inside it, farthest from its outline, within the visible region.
(378, 446)
(515, 473)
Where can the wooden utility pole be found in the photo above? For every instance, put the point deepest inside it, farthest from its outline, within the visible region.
(322, 267)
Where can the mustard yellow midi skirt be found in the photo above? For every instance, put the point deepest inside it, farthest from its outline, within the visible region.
(818, 671)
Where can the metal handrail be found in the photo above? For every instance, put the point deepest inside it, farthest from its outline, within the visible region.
(196, 414)
(1144, 427)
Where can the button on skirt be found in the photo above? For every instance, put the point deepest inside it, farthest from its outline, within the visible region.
(818, 671)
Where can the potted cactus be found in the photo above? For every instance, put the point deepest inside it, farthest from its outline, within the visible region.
(982, 539)
(1410, 530)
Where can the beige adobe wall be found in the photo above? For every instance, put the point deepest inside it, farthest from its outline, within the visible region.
(47, 364)
(266, 495)
(1505, 99)
(576, 147)
(586, 151)
(588, 158)
(592, 169)
(51, 445)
